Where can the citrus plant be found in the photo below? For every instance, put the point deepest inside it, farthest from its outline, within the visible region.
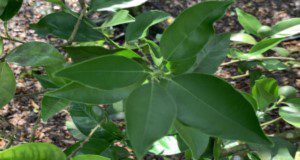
(165, 92)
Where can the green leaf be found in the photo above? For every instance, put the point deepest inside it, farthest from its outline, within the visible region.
(45, 81)
(55, 24)
(281, 150)
(93, 146)
(250, 99)
(191, 30)
(213, 106)
(291, 114)
(167, 145)
(52, 69)
(116, 153)
(150, 112)
(35, 54)
(112, 5)
(51, 106)
(7, 84)
(3, 4)
(11, 9)
(250, 23)
(87, 117)
(274, 65)
(286, 28)
(213, 54)
(82, 94)
(33, 151)
(181, 66)
(74, 131)
(281, 51)
(265, 45)
(243, 38)
(82, 53)
(120, 17)
(265, 92)
(194, 138)
(139, 29)
(90, 157)
(106, 72)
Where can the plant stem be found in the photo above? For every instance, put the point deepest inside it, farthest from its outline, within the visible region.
(77, 25)
(270, 122)
(36, 124)
(84, 142)
(257, 59)
(240, 76)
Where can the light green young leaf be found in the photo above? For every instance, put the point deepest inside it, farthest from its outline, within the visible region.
(203, 100)
(54, 24)
(291, 114)
(150, 112)
(265, 92)
(11, 9)
(265, 45)
(7, 84)
(90, 157)
(243, 38)
(250, 23)
(139, 29)
(194, 138)
(113, 5)
(33, 151)
(281, 51)
(35, 54)
(118, 18)
(191, 30)
(274, 65)
(82, 94)
(286, 28)
(51, 106)
(167, 145)
(106, 72)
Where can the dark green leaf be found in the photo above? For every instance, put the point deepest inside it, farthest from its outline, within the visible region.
(213, 106)
(250, 99)
(106, 72)
(150, 112)
(3, 4)
(291, 114)
(33, 151)
(74, 131)
(286, 28)
(191, 30)
(120, 17)
(51, 70)
(11, 9)
(56, 25)
(93, 146)
(243, 38)
(265, 45)
(90, 157)
(139, 29)
(265, 92)
(181, 66)
(7, 84)
(35, 54)
(116, 153)
(45, 81)
(112, 5)
(194, 138)
(250, 23)
(51, 106)
(79, 93)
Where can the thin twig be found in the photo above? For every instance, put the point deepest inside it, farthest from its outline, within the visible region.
(77, 25)
(31, 94)
(34, 128)
(87, 139)
(12, 39)
(270, 122)
(240, 76)
(258, 59)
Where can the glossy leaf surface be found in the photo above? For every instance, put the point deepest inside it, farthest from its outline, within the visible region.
(35, 54)
(265, 45)
(194, 138)
(150, 112)
(54, 24)
(243, 38)
(191, 30)
(7, 84)
(106, 72)
(112, 5)
(213, 106)
(250, 23)
(286, 28)
(139, 29)
(120, 17)
(33, 151)
(51, 106)
(291, 113)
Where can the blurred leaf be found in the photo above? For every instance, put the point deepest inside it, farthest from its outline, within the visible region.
(139, 28)
(250, 23)
(33, 151)
(112, 5)
(291, 114)
(51, 106)
(116, 153)
(120, 17)
(89, 157)
(11, 9)
(264, 45)
(250, 99)
(286, 28)
(7, 84)
(74, 130)
(3, 4)
(167, 145)
(55, 24)
(243, 38)
(265, 91)
(281, 51)
(274, 65)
